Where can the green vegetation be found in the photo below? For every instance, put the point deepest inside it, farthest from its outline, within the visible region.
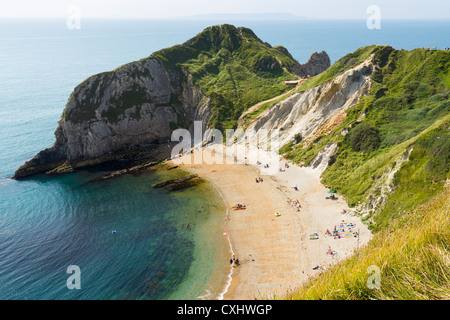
(407, 106)
(364, 138)
(403, 124)
(249, 117)
(233, 67)
(347, 62)
(66, 167)
(412, 255)
(420, 178)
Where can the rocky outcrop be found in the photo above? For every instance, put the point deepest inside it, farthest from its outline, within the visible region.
(320, 162)
(118, 173)
(383, 186)
(139, 104)
(308, 113)
(316, 64)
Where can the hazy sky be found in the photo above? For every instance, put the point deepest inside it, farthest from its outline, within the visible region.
(322, 9)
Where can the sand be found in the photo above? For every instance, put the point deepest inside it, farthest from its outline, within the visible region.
(275, 253)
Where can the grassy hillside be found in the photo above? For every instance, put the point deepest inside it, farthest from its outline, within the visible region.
(232, 66)
(402, 124)
(408, 106)
(412, 257)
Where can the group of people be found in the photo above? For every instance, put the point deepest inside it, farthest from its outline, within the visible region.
(234, 261)
(259, 179)
(343, 230)
(286, 165)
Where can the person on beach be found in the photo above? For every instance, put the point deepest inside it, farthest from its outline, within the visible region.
(234, 261)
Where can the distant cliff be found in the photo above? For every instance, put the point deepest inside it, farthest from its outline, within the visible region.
(212, 78)
(317, 63)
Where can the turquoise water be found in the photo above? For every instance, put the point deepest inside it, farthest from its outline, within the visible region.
(49, 223)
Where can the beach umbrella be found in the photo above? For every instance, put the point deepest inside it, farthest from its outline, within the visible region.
(331, 191)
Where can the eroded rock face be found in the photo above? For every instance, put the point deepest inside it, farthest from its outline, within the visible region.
(308, 112)
(316, 64)
(136, 105)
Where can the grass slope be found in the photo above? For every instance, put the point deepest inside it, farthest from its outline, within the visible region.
(407, 110)
(233, 67)
(411, 256)
(409, 96)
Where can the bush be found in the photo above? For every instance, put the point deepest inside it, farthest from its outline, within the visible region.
(298, 138)
(364, 137)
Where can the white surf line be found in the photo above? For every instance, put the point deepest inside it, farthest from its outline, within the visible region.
(229, 276)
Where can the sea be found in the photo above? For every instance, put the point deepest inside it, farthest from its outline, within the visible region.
(126, 239)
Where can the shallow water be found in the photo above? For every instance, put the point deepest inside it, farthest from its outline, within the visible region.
(149, 256)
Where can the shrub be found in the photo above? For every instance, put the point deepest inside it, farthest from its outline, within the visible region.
(298, 138)
(364, 137)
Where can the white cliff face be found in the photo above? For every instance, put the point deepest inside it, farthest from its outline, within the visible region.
(320, 162)
(308, 112)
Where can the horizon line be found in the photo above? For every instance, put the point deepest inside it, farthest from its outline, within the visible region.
(212, 18)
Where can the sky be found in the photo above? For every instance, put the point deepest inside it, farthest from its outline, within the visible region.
(144, 9)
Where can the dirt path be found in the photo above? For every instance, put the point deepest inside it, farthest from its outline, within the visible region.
(259, 104)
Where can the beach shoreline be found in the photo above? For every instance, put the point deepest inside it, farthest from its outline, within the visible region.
(275, 253)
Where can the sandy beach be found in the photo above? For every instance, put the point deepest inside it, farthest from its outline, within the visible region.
(275, 253)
